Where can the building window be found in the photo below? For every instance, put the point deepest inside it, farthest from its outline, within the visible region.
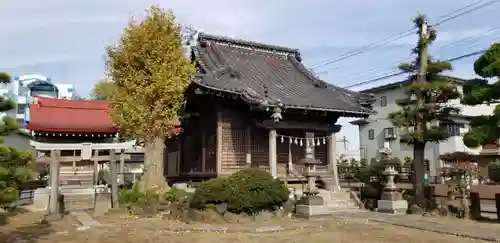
(371, 134)
(389, 133)
(21, 108)
(383, 101)
(453, 129)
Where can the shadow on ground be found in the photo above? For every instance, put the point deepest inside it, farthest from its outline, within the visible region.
(5, 215)
(27, 234)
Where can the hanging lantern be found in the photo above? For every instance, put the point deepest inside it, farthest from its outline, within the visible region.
(296, 141)
(324, 140)
(282, 139)
(301, 143)
(317, 142)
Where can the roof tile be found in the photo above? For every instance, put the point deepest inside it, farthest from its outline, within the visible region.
(267, 73)
(57, 115)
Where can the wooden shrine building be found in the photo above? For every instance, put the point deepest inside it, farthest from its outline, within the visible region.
(257, 105)
(74, 137)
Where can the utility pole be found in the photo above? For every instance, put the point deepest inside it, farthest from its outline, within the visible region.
(420, 123)
(423, 55)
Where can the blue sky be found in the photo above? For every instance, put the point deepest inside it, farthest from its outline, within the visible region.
(65, 40)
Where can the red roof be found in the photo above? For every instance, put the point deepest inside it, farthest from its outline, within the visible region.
(56, 115)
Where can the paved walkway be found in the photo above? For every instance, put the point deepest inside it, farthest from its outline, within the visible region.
(465, 228)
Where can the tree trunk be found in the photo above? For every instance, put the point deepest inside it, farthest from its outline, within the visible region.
(154, 177)
(418, 174)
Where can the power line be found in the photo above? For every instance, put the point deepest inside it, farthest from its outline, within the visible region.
(491, 2)
(366, 48)
(406, 33)
(398, 73)
(492, 32)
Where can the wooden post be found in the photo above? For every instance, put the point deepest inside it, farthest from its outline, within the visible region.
(96, 167)
(310, 141)
(122, 167)
(54, 182)
(332, 161)
(203, 151)
(114, 184)
(273, 153)
(475, 205)
(218, 156)
(248, 146)
(497, 204)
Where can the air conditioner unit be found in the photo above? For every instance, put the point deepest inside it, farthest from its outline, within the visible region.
(389, 133)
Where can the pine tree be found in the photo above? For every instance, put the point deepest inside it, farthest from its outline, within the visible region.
(15, 166)
(484, 129)
(424, 104)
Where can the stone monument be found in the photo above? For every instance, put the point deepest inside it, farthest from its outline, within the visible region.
(391, 199)
(310, 203)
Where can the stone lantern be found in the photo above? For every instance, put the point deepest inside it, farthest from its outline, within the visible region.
(310, 204)
(391, 199)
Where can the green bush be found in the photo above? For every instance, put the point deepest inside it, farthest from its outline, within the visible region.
(247, 191)
(213, 191)
(253, 190)
(137, 197)
(494, 171)
(177, 195)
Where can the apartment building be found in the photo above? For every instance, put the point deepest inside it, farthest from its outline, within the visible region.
(377, 131)
(24, 87)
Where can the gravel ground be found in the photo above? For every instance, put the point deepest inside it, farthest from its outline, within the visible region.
(29, 228)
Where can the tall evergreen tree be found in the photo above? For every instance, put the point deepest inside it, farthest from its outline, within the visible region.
(424, 104)
(15, 166)
(484, 129)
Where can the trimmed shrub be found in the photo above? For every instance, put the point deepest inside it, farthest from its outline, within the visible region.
(210, 192)
(247, 191)
(254, 190)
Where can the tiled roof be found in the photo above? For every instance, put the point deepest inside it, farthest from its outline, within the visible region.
(268, 74)
(56, 115)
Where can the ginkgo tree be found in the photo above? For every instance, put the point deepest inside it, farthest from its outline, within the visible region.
(151, 73)
(103, 90)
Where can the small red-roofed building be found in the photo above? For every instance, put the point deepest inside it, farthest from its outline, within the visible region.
(75, 137)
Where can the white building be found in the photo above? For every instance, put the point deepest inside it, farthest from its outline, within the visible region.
(23, 88)
(377, 129)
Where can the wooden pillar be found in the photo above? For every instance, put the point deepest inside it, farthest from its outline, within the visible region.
(96, 167)
(203, 151)
(114, 184)
(218, 156)
(54, 182)
(310, 143)
(122, 167)
(273, 153)
(332, 161)
(248, 146)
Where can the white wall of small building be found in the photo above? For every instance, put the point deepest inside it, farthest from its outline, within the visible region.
(378, 122)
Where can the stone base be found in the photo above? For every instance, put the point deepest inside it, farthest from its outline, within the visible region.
(102, 203)
(308, 211)
(310, 200)
(394, 207)
(391, 196)
(41, 199)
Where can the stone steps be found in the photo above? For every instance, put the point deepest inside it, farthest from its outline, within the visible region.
(338, 201)
(77, 198)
